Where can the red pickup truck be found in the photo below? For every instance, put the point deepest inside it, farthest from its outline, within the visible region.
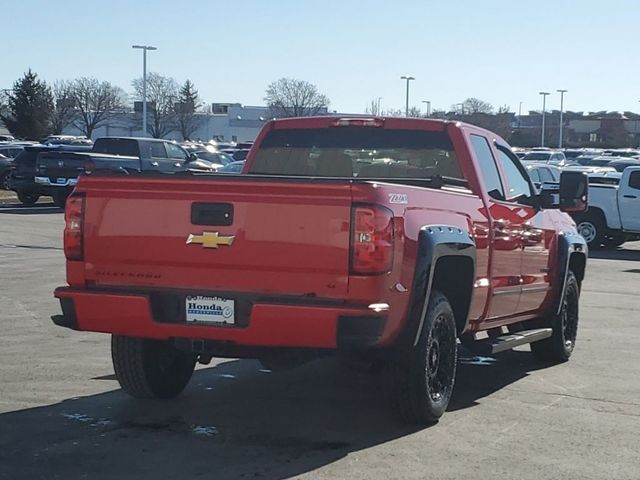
(386, 238)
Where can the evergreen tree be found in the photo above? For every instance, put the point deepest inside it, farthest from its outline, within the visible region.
(186, 107)
(30, 108)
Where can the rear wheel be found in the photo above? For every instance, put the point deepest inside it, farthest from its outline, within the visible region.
(559, 346)
(28, 198)
(422, 376)
(150, 368)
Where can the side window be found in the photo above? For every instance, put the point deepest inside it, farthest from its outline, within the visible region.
(519, 189)
(175, 151)
(488, 168)
(545, 175)
(634, 180)
(535, 175)
(157, 150)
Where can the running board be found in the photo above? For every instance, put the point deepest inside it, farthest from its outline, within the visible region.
(502, 343)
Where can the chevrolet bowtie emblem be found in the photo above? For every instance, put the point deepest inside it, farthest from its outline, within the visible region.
(210, 239)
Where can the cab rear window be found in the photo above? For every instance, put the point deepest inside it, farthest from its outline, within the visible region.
(365, 152)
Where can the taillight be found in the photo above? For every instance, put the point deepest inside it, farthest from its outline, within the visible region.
(358, 122)
(371, 240)
(73, 227)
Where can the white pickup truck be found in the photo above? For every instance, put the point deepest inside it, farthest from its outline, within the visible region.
(613, 216)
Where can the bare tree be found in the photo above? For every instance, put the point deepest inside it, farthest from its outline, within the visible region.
(95, 103)
(504, 109)
(414, 112)
(475, 105)
(162, 93)
(186, 107)
(373, 108)
(289, 97)
(63, 106)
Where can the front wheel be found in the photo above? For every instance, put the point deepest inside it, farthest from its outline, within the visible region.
(150, 368)
(4, 180)
(60, 199)
(422, 376)
(559, 346)
(592, 228)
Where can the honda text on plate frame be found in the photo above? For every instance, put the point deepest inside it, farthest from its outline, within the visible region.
(200, 309)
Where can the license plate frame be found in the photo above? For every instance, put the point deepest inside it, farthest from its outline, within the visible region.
(210, 310)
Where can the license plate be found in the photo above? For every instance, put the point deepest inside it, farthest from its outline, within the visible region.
(200, 309)
(61, 181)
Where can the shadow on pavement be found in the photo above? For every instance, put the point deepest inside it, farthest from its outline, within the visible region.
(38, 208)
(615, 254)
(234, 421)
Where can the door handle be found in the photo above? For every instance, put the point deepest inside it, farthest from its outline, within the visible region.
(630, 196)
(177, 164)
(155, 164)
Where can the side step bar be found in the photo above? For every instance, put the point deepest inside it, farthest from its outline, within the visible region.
(502, 343)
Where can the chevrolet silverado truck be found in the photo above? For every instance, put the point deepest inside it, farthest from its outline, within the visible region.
(613, 216)
(389, 239)
(59, 171)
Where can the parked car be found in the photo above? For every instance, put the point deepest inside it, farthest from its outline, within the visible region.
(301, 258)
(6, 138)
(546, 156)
(614, 211)
(233, 167)
(58, 171)
(217, 159)
(621, 163)
(66, 140)
(240, 155)
(6, 164)
(541, 173)
(22, 179)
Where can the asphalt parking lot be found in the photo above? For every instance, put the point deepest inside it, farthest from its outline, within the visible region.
(62, 414)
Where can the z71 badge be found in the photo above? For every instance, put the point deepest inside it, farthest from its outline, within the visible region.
(399, 198)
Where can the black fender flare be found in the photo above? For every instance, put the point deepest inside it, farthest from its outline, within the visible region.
(569, 243)
(434, 242)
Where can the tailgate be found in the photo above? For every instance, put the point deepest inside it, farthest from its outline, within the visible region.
(289, 237)
(61, 164)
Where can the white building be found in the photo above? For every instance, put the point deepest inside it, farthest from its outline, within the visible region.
(226, 122)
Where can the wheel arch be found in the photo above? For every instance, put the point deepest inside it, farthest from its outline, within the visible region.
(572, 255)
(446, 261)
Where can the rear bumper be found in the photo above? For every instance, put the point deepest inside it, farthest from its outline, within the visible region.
(296, 325)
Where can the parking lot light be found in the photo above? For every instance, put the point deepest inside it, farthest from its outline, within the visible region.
(562, 92)
(144, 49)
(406, 107)
(544, 99)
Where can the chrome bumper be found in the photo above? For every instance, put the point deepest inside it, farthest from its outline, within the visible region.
(57, 182)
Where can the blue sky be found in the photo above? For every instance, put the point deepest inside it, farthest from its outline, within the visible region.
(501, 51)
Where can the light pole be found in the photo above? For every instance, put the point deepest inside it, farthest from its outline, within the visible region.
(378, 108)
(428, 107)
(562, 92)
(144, 49)
(519, 115)
(406, 105)
(544, 104)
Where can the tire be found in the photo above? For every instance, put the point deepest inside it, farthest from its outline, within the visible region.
(560, 345)
(592, 228)
(60, 199)
(150, 368)
(4, 180)
(28, 199)
(422, 376)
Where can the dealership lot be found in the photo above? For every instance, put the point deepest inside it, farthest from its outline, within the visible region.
(62, 414)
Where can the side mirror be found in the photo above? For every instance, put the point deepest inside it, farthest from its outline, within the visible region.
(192, 157)
(574, 191)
